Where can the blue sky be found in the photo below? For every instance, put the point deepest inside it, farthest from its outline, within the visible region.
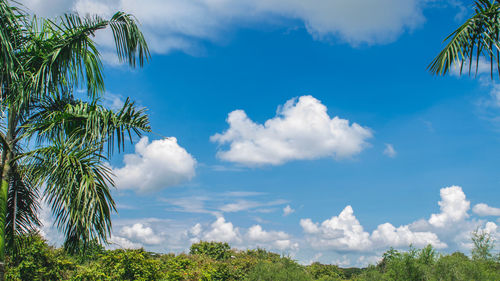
(307, 128)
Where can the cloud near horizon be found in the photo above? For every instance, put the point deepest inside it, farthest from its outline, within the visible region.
(301, 130)
(342, 236)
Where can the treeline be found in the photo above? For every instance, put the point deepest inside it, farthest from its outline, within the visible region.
(35, 260)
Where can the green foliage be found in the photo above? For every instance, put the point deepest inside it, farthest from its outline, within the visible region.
(284, 270)
(214, 250)
(129, 265)
(483, 244)
(42, 62)
(324, 272)
(88, 252)
(35, 261)
(217, 262)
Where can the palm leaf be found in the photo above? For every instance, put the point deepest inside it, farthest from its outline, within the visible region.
(22, 206)
(77, 189)
(90, 122)
(477, 37)
(72, 56)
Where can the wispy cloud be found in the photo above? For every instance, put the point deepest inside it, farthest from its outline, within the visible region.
(225, 202)
(389, 150)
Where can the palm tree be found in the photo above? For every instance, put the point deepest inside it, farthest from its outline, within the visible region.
(51, 139)
(477, 37)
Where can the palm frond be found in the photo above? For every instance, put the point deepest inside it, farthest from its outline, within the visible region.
(73, 56)
(77, 189)
(477, 37)
(22, 205)
(91, 122)
(129, 40)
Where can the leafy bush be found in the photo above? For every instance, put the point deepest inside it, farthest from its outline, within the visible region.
(214, 250)
(129, 265)
(324, 272)
(35, 260)
(210, 261)
(283, 270)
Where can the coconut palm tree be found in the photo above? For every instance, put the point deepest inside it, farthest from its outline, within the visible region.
(477, 37)
(54, 145)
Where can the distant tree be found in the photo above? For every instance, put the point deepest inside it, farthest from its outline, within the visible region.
(214, 250)
(483, 244)
(325, 272)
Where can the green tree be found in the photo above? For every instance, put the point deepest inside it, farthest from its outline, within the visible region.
(325, 272)
(483, 244)
(477, 37)
(42, 61)
(214, 250)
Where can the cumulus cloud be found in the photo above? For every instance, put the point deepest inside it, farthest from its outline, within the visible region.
(345, 233)
(485, 210)
(287, 210)
(222, 231)
(179, 25)
(123, 243)
(275, 239)
(387, 234)
(301, 130)
(389, 150)
(342, 232)
(141, 233)
(155, 165)
(453, 205)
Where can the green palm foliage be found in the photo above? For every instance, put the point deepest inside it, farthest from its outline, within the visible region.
(54, 146)
(477, 37)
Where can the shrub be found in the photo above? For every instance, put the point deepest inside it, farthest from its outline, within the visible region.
(283, 270)
(35, 260)
(214, 250)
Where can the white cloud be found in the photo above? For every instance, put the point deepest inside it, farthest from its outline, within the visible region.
(274, 239)
(245, 205)
(453, 205)
(389, 150)
(301, 130)
(342, 262)
(345, 233)
(483, 67)
(485, 210)
(179, 25)
(287, 210)
(354, 21)
(48, 228)
(155, 165)
(256, 233)
(342, 233)
(141, 233)
(48, 8)
(222, 231)
(387, 234)
(196, 229)
(113, 101)
(494, 100)
(123, 243)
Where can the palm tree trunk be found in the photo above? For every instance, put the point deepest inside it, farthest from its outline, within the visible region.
(7, 158)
